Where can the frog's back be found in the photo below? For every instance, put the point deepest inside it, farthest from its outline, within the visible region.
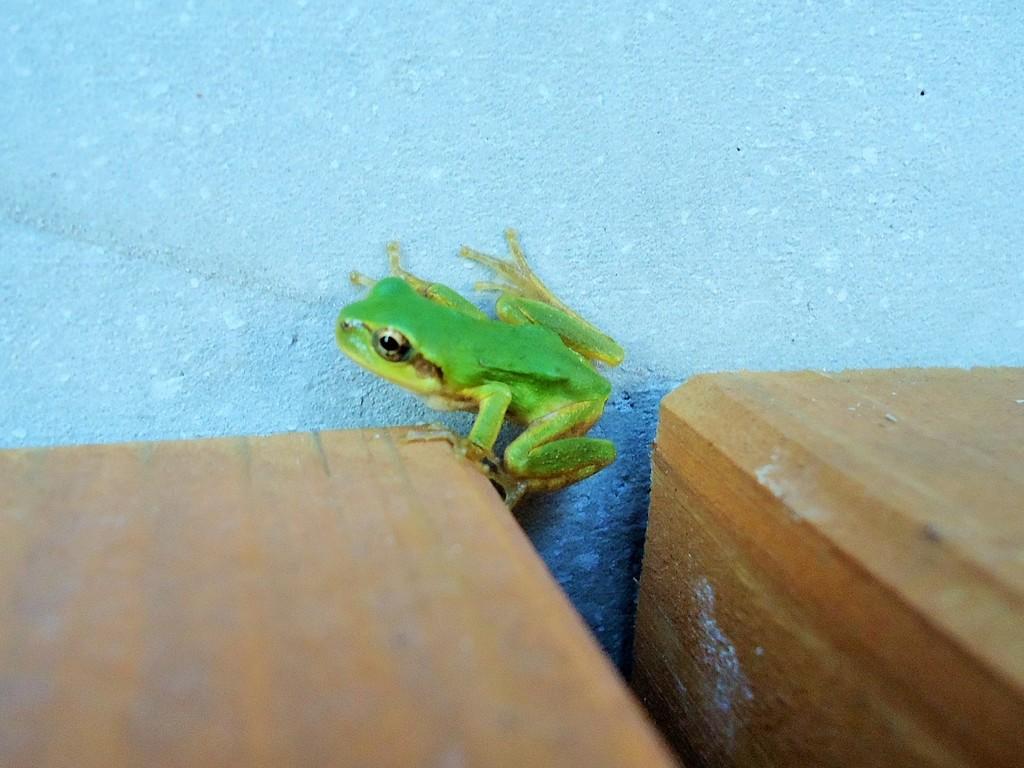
(536, 365)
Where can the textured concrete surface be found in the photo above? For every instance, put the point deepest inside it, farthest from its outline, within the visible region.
(185, 186)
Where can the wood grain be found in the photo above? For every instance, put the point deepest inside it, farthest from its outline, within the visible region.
(304, 599)
(834, 569)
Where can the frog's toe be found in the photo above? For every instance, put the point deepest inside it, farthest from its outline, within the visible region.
(358, 278)
(488, 286)
(514, 247)
(510, 489)
(434, 430)
(485, 460)
(514, 493)
(491, 262)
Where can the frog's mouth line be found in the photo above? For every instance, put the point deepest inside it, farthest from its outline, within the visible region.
(427, 369)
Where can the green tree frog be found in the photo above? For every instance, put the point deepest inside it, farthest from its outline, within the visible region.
(533, 364)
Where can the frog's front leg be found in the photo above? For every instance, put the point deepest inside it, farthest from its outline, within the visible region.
(492, 403)
(478, 447)
(576, 333)
(552, 452)
(395, 262)
(436, 292)
(494, 400)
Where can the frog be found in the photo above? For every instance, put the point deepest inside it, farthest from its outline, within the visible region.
(534, 364)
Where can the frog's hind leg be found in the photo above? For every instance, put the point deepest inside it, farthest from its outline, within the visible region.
(552, 453)
(575, 332)
(517, 276)
(526, 300)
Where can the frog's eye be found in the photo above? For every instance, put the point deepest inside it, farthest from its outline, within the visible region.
(391, 345)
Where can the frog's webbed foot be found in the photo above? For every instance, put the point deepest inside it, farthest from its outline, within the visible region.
(487, 463)
(515, 273)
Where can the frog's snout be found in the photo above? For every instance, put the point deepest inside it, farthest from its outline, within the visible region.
(346, 324)
(346, 329)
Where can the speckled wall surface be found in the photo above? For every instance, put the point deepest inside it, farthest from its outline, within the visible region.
(184, 187)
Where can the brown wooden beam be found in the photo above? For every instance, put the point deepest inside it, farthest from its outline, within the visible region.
(834, 569)
(303, 599)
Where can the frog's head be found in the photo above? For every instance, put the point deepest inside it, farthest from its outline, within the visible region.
(380, 333)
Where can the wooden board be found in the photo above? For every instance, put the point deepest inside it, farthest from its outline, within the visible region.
(336, 599)
(834, 569)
